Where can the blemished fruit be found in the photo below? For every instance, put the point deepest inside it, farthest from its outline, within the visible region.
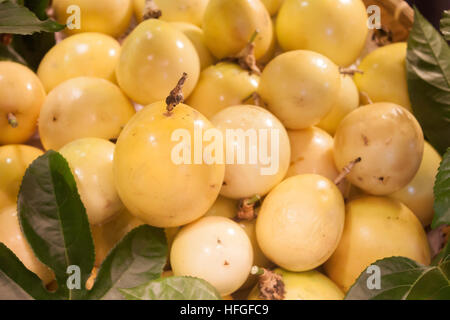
(418, 194)
(300, 88)
(258, 159)
(153, 58)
(384, 77)
(21, 98)
(389, 142)
(111, 17)
(300, 222)
(334, 28)
(308, 285)
(153, 184)
(222, 85)
(347, 101)
(81, 108)
(87, 54)
(272, 6)
(376, 228)
(11, 236)
(230, 24)
(14, 160)
(197, 37)
(91, 162)
(215, 249)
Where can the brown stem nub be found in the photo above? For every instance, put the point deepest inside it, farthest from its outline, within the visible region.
(12, 120)
(382, 36)
(246, 209)
(346, 171)
(246, 58)
(349, 71)
(176, 95)
(151, 10)
(270, 284)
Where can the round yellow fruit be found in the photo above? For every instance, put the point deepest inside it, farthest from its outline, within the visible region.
(300, 88)
(300, 222)
(272, 6)
(81, 108)
(87, 54)
(388, 140)
(376, 228)
(334, 28)
(154, 56)
(230, 24)
(21, 98)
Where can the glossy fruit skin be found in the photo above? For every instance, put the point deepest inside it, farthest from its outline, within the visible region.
(215, 249)
(11, 235)
(80, 108)
(154, 57)
(418, 194)
(347, 101)
(87, 54)
(152, 186)
(272, 6)
(384, 78)
(308, 285)
(21, 93)
(110, 17)
(376, 228)
(14, 160)
(197, 37)
(91, 162)
(389, 141)
(222, 85)
(300, 222)
(336, 29)
(230, 24)
(246, 180)
(318, 78)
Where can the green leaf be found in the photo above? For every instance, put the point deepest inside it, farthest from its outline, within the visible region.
(54, 220)
(428, 73)
(137, 259)
(442, 193)
(404, 279)
(445, 25)
(16, 281)
(16, 19)
(173, 288)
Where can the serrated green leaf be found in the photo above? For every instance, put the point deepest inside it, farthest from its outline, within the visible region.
(173, 288)
(54, 220)
(137, 259)
(445, 25)
(428, 73)
(442, 193)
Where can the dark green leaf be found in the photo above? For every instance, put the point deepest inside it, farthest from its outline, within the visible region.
(428, 72)
(38, 7)
(54, 220)
(442, 193)
(173, 288)
(445, 25)
(137, 259)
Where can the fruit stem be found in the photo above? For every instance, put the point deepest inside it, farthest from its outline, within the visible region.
(246, 209)
(151, 10)
(12, 120)
(350, 71)
(382, 36)
(256, 99)
(270, 284)
(176, 95)
(346, 171)
(246, 58)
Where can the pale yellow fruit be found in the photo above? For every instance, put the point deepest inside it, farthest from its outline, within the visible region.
(389, 141)
(81, 108)
(11, 236)
(215, 249)
(111, 17)
(230, 24)
(384, 77)
(91, 162)
(300, 222)
(156, 180)
(220, 86)
(272, 6)
(87, 54)
(334, 28)
(376, 228)
(418, 194)
(257, 157)
(154, 57)
(300, 88)
(21, 95)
